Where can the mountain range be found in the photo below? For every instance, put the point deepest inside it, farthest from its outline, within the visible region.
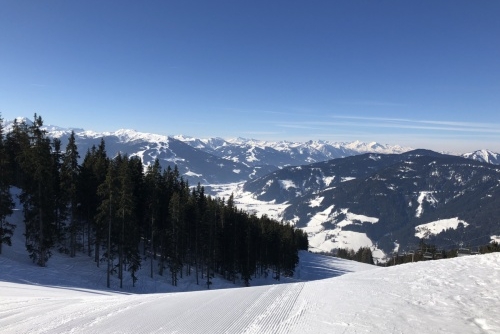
(388, 201)
(213, 160)
(347, 194)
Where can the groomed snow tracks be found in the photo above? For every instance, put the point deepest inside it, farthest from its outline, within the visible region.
(264, 309)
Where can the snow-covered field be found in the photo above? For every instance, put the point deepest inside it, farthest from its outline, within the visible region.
(326, 295)
(320, 239)
(458, 295)
(246, 201)
(436, 227)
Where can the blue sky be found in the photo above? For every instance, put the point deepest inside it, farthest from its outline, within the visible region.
(415, 73)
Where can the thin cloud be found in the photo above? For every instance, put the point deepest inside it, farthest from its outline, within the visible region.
(254, 111)
(298, 126)
(421, 124)
(373, 103)
(262, 133)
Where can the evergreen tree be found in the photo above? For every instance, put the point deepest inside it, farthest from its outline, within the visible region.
(92, 174)
(133, 179)
(107, 213)
(6, 204)
(126, 210)
(175, 213)
(16, 142)
(60, 209)
(37, 194)
(120, 206)
(153, 195)
(69, 182)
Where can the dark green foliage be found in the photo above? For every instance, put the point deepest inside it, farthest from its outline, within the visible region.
(69, 177)
(6, 204)
(16, 141)
(427, 251)
(92, 174)
(490, 248)
(37, 197)
(107, 214)
(183, 229)
(121, 210)
(364, 254)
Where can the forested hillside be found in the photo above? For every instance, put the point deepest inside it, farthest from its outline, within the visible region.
(121, 215)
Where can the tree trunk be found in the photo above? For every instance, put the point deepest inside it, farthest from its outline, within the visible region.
(41, 259)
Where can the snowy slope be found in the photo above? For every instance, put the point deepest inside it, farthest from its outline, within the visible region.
(458, 295)
(326, 295)
(484, 156)
(81, 271)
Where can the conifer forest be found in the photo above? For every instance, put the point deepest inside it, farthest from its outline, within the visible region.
(121, 214)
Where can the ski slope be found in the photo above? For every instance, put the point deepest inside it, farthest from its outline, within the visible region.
(458, 295)
(326, 295)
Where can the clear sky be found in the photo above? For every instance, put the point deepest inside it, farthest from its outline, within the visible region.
(424, 74)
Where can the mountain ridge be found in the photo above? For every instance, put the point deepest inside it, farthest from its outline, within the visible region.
(307, 179)
(249, 158)
(384, 201)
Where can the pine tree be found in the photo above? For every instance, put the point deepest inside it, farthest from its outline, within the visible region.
(16, 142)
(87, 197)
(127, 245)
(174, 237)
(153, 196)
(37, 194)
(69, 181)
(92, 174)
(60, 209)
(6, 204)
(133, 187)
(107, 214)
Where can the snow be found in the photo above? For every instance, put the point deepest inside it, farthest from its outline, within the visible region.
(286, 184)
(190, 173)
(316, 221)
(362, 218)
(483, 155)
(326, 295)
(320, 238)
(426, 230)
(246, 201)
(326, 240)
(124, 135)
(316, 201)
(459, 295)
(345, 179)
(424, 196)
(328, 180)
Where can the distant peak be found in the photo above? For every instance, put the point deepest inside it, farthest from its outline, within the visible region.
(484, 155)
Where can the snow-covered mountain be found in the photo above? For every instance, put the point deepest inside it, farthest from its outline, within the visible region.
(484, 155)
(285, 153)
(306, 181)
(212, 160)
(217, 160)
(385, 201)
(194, 164)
